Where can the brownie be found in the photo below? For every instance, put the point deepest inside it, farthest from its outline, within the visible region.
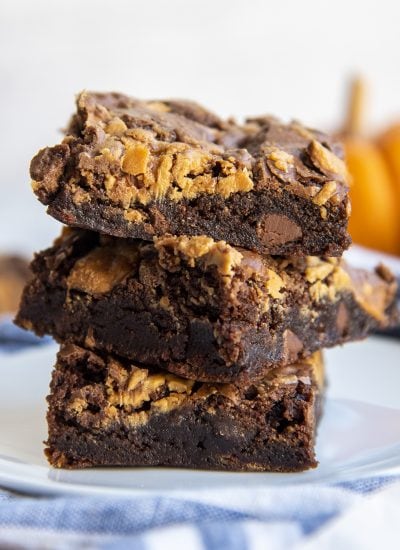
(138, 169)
(105, 411)
(199, 308)
(14, 274)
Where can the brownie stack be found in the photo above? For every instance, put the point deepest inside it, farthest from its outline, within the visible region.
(196, 283)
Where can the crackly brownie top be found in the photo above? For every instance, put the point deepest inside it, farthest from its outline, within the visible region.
(139, 151)
(225, 276)
(118, 386)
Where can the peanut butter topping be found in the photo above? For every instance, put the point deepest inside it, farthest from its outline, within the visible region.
(318, 291)
(210, 252)
(295, 372)
(158, 106)
(327, 278)
(135, 216)
(318, 270)
(164, 391)
(326, 193)
(167, 404)
(175, 171)
(316, 361)
(134, 394)
(281, 159)
(116, 127)
(138, 152)
(373, 301)
(274, 284)
(327, 161)
(103, 268)
(136, 159)
(372, 292)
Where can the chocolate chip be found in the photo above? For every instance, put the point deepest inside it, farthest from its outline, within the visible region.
(277, 229)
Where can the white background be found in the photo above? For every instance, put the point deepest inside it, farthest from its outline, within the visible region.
(286, 57)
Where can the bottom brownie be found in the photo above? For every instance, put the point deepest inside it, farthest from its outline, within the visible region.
(105, 411)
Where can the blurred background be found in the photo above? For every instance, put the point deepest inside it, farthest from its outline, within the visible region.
(291, 59)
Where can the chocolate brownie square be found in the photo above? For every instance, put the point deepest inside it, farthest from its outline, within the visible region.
(140, 169)
(105, 411)
(199, 308)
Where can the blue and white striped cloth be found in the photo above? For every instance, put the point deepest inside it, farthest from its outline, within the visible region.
(360, 514)
(350, 515)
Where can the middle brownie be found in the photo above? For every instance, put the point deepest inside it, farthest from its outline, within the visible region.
(199, 308)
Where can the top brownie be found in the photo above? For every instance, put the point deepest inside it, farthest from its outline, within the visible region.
(131, 168)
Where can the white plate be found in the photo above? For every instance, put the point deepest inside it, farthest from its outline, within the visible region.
(359, 433)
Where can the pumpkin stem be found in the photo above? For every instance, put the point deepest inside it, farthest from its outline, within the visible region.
(355, 119)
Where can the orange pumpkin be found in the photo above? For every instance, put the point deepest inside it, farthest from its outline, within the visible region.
(374, 166)
(389, 143)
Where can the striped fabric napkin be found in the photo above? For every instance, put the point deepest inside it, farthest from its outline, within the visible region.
(362, 514)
